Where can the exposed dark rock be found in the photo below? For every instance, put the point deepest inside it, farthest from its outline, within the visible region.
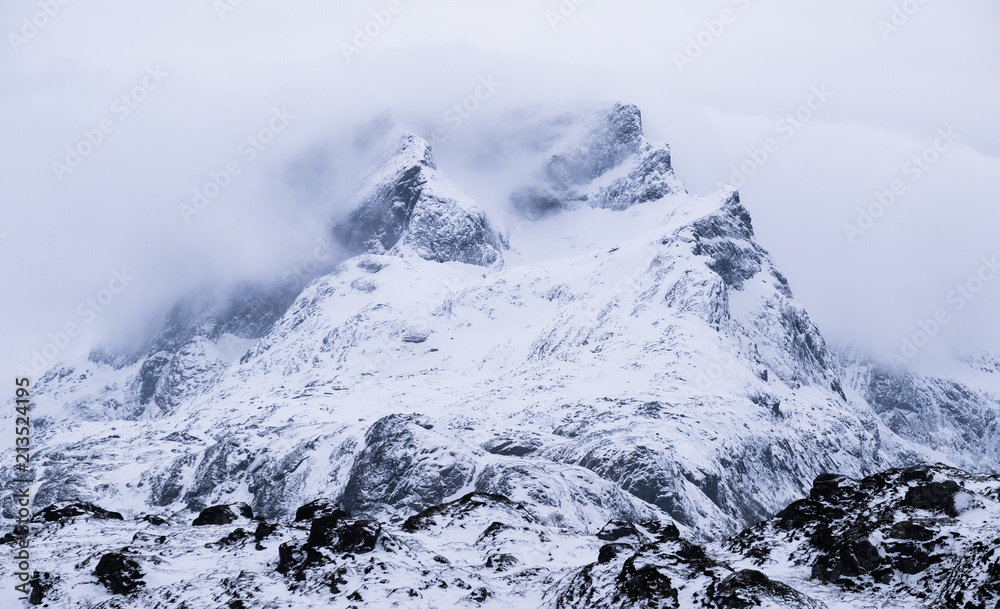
(492, 531)
(852, 533)
(119, 573)
(406, 464)
(182, 437)
(647, 584)
(464, 506)
(826, 487)
(41, 584)
(534, 203)
(727, 238)
(664, 531)
(910, 530)
(146, 538)
(60, 512)
(479, 595)
(320, 508)
(650, 179)
(615, 137)
(221, 465)
(405, 210)
(942, 414)
(358, 537)
(165, 378)
(223, 514)
(748, 589)
(610, 551)
(263, 531)
(379, 222)
(857, 557)
(935, 496)
(290, 558)
(371, 264)
(502, 562)
(232, 539)
(909, 558)
(617, 529)
(519, 446)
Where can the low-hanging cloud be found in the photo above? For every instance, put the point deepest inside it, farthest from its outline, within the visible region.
(121, 120)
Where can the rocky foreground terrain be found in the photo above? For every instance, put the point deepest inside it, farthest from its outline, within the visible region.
(925, 536)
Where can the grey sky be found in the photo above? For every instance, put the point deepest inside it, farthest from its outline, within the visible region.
(220, 79)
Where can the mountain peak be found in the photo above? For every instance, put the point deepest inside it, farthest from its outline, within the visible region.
(598, 157)
(412, 150)
(410, 207)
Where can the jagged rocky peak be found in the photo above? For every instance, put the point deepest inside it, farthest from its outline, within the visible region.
(597, 157)
(727, 237)
(614, 137)
(407, 206)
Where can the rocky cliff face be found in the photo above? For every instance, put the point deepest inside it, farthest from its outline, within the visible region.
(624, 353)
(958, 420)
(410, 206)
(598, 158)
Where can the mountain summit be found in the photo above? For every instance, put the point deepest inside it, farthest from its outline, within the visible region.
(409, 206)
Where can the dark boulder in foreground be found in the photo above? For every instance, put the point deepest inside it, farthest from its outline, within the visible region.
(119, 573)
(65, 511)
(223, 514)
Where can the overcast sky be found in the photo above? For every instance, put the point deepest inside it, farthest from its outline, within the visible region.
(717, 80)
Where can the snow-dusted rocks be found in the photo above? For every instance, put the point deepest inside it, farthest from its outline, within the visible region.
(916, 538)
(925, 532)
(409, 206)
(598, 157)
(408, 466)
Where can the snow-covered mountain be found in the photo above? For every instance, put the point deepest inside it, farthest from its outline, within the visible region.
(482, 391)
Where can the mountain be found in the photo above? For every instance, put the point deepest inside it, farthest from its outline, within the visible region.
(959, 418)
(489, 384)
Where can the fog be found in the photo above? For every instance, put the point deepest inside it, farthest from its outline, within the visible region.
(813, 109)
